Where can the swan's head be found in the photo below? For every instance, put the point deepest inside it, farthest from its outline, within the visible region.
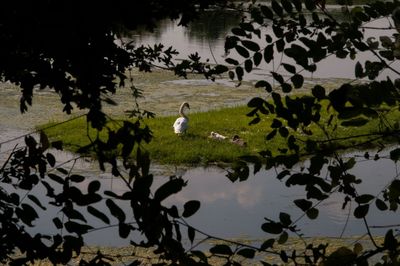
(186, 104)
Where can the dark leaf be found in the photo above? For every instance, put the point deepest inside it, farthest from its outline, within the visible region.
(356, 122)
(76, 178)
(94, 186)
(256, 120)
(268, 244)
(253, 46)
(56, 178)
(265, 84)
(231, 74)
(287, 6)
(269, 53)
(289, 68)
(200, 255)
(248, 65)
(285, 219)
(312, 213)
(191, 234)
(173, 211)
(272, 228)
(341, 256)
(221, 249)
(14, 199)
(297, 81)
(267, 12)
(62, 170)
(361, 211)
(36, 201)
(310, 4)
(247, 253)
(297, 4)
(284, 132)
(26, 214)
(242, 51)
(57, 222)
(276, 123)
(318, 92)
(30, 142)
(276, 7)
(271, 134)
(169, 188)
(395, 154)
(365, 198)
(282, 174)
(350, 163)
(219, 69)
(73, 214)
(359, 70)
(232, 61)
(57, 145)
(278, 77)
(316, 164)
(80, 229)
(381, 205)
(286, 88)
(283, 238)
(360, 45)
(190, 208)
(239, 32)
(98, 214)
(247, 26)
(257, 58)
(239, 72)
(124, 230)
(115, 210)
(386, 42)
(51, 159)
(256, 102)
(284, 256)
(390, 241)
(44, 141)
(280, 45)
(111, 194)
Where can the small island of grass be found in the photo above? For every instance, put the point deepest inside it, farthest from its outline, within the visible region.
(197, 148)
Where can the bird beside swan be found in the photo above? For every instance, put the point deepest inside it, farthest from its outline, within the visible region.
(182, 123)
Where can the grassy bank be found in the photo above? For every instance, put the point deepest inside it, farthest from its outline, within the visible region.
(196, 147)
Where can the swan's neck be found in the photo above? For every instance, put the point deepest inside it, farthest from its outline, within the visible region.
(182, 114)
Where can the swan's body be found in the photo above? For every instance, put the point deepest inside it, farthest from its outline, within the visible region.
(182, 123)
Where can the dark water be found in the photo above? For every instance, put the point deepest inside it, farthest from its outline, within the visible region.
(228, 209)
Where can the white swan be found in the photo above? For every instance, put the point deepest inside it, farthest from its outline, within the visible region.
(182, 123)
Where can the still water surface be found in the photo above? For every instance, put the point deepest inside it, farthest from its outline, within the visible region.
(236, 210)
(207, 35)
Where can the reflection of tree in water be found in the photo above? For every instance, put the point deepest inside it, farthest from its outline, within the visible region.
(213, 25)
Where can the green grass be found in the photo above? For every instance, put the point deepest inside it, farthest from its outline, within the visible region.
(196, 147)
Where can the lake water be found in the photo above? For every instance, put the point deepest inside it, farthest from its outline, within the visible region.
(237, 210)
(207, 36)
(228, 209)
